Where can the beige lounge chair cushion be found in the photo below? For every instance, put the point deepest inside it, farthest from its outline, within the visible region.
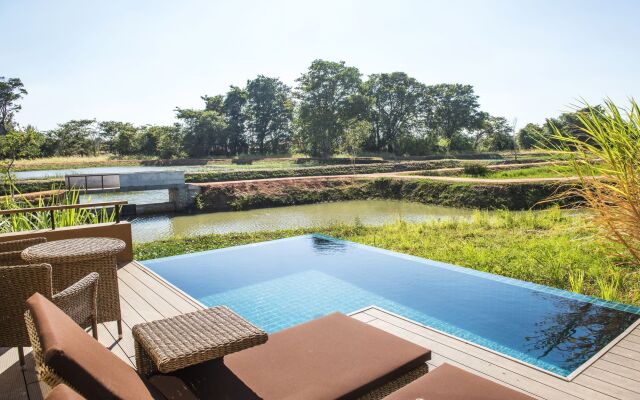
(79, 359)
(450, 383)
(332, 357)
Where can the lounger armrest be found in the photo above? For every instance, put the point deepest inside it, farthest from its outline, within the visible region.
(79, 301)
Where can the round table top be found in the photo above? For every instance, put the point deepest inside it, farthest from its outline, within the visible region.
(70, 250)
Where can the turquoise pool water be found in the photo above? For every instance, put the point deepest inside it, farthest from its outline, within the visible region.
(282, 283)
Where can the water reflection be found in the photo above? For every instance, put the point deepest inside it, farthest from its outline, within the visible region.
(326, 246)
(368, 212)
(574, 331)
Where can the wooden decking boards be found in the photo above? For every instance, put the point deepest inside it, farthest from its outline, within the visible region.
(145, 297)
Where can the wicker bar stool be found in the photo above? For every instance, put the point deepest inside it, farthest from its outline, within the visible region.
(71, 259)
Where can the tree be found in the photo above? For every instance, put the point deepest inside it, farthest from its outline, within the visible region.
(234, 109)
(214, 103)
(18, 144)
(450, 109)
(11, 90)
(204, 132)
(146, 141)
(529, 136)
(120, 137)
(498, 134)
(396, 100)
(330, 96)
(355, 136)
(76, 137)
(269, 113)
(168, 141)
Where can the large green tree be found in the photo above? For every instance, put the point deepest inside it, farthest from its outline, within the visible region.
(204, 132)
(16, 144)
(76, 137)
(529, 136)
(330, 96)
(168, 140)
(234, 109)
(11, 90)
(269, 113)
(498, 134)
(120, 137)
(450, 110)
(396, 101)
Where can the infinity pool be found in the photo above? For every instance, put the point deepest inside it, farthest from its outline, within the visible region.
(282, 283)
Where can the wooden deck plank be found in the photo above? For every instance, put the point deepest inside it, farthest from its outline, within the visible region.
(618, 380)
(617, 369)
(621, 360)
(179, 300)
(12, 383)
(158, 302)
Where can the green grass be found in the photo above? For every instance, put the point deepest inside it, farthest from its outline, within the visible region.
(546, 171)
(545, 247)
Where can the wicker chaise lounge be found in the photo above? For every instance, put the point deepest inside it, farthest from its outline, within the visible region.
(333, 357)
(19, 282)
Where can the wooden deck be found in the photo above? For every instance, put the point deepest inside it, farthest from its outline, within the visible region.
(145, 297)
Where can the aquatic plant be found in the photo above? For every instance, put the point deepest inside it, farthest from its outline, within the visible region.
(42, 219)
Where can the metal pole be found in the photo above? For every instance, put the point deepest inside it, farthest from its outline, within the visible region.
(53, 219)
(116, 209)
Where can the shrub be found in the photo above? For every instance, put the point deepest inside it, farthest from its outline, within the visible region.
(475, 169)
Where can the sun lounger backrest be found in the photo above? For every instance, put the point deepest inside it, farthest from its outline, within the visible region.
(79, 359)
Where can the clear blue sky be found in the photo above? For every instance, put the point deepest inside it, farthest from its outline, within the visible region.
(138, 60)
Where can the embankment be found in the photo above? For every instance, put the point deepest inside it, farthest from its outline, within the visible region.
(260, 194)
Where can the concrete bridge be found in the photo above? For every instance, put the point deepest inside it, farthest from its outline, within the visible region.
(181, 194)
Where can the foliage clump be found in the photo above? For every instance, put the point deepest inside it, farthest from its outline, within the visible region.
(475, 169)
(604, 152)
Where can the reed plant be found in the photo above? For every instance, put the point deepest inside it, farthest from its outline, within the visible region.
(28, 220)
(604, 152)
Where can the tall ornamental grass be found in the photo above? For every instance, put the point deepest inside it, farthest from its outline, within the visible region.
(604, 151)
(42, 220)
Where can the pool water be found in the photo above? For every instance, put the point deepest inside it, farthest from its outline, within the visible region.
(281, 283)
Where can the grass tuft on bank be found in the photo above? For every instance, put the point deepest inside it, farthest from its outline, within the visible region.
(546, 247)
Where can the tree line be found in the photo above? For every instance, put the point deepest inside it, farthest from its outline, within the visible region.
(331, 110)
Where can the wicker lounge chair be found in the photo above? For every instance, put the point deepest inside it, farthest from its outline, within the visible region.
(450, 383)
(328, 358)
(18, 282)
(10, 252)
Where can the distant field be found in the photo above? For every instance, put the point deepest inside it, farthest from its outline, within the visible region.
(225, 163)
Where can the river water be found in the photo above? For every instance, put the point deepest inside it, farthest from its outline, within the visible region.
(367, 212)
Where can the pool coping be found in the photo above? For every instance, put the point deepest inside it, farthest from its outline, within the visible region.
(486, 275)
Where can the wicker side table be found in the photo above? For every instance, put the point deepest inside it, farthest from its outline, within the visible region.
(174, 343)
(71, 259)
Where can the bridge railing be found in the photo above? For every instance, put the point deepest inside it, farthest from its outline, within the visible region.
(92, 181)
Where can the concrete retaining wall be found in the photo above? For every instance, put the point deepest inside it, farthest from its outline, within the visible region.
(151, 180)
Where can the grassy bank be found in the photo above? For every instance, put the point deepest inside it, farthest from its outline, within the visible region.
(222, 176)
(547, 171)
(244, 196)
(545, 247)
